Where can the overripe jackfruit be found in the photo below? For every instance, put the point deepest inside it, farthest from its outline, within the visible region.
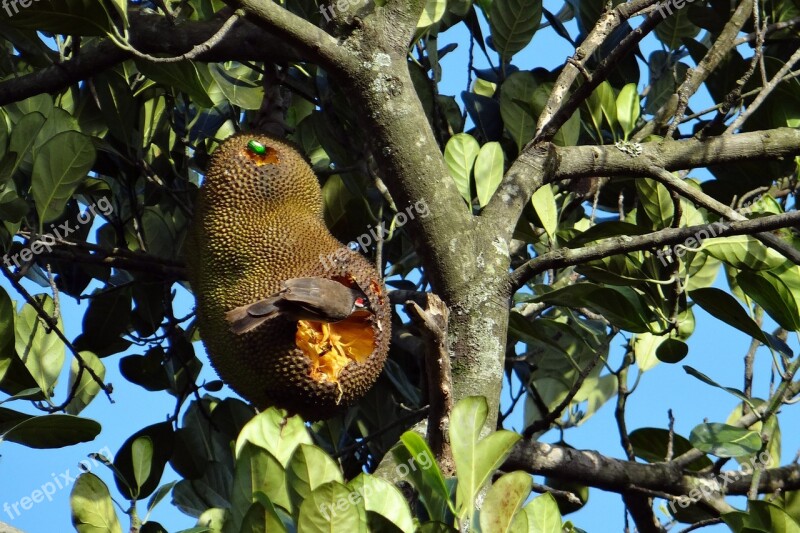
(258, 222)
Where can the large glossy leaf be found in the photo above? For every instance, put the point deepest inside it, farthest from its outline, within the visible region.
(724, 440)
(676, 26)
(476, 459)
(651, 444)
(252, 474)
(771, 293)
(46, 431)
(725, 307)
(656, 202)
(381, 497)
(459, 155)
(135, 454)
(87, 388)
(182, 76)
(516, 107)
(276, 433)
(619, 305)
(541, 515)
(513, 23)
(743, 252)
(488, 171)
(506, 496)
(238, 85)
(426, 477)
(58, 168)
(328, 509)
(628, 108)
(309, 468)
(67, 17)
(92, 508)
(41, 350)
(544, 203)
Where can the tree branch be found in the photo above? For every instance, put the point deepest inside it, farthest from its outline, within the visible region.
(152, 34)
(564, 257)
(700, 198)
(591, 161)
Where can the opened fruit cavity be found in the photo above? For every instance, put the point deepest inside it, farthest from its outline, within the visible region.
(332, 345)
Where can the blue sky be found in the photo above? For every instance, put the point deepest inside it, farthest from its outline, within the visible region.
(715, 349)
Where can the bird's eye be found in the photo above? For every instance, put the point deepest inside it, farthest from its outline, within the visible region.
(256, 147)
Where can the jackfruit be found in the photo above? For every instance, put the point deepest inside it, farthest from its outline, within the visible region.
(258, 227)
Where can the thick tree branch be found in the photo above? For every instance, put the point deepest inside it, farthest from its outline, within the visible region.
(564, 257)
(152, 34)
(597, 470)
(592, 161)
(315, 42)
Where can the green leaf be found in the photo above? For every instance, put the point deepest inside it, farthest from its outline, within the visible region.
(133, 457)
(743, 252)
(381, 497)
(87, 388)
(708, 381)
(488, 171)
(656, 202)
(771, 293)
(182, 76)
(544, 203)
(433, 13)
(142, 458)
(651, 444)
(628, 108)
(676, 27)
(723, 440)
(621, 306)
(504, 499)
(459, 155)
(542, 515)
(42, 351)
(160, 493)
(476, 459)
(46, 431)
(513, 23)
(23, 137)
(272, 520)
(92, 508)
(66, 17)
(328, 509)
(238, 86)
(723, 306)
(58, 168)
(276, 433)
(117, 104)
(602, 103)
(418, 463)
(516, 108)
(672, 351)
(252, 474)
(310, 468)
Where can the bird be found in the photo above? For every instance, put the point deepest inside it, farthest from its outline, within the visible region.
(317, 299)
(290, 316)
